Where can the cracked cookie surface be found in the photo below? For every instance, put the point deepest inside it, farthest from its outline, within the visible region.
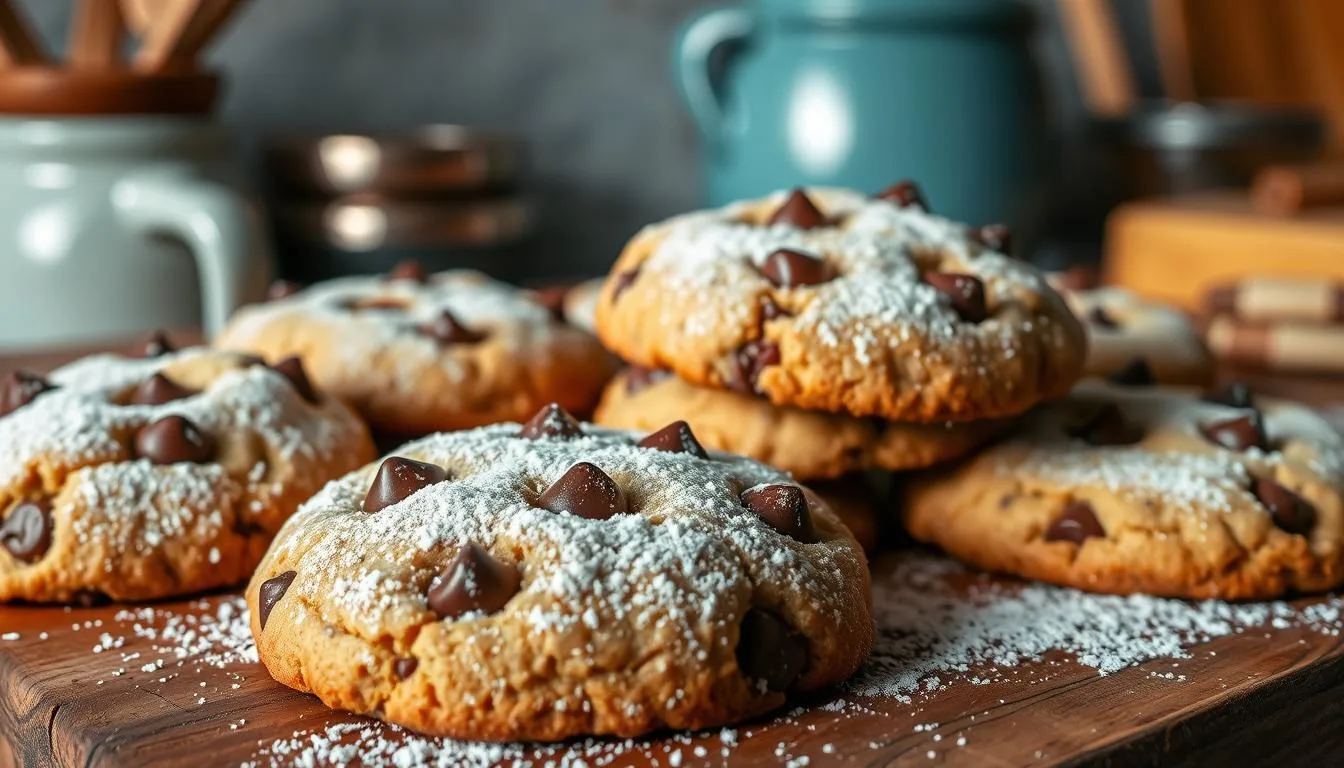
(830, 300)
(551, 580)
(417, 353)
(1144, 489)
(136, 479)
(810, 445)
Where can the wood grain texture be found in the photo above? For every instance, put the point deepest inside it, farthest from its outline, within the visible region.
(1269, 697)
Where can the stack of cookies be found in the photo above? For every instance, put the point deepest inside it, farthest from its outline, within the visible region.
(828, 332)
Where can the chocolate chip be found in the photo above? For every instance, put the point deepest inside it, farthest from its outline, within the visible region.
(399, 477)
(798, 210)
(675, 438)
(751, 359)
(784, 508)
(1135, 373)
(1291, 512)
(1237, 394)
(19, 389)
(26, 532)
(292, 368)
(157, 390)
(769, 651)
(473, 581)
(282, 289)
(157, 345)
(787, 268)
(553, 299)
(90, 598)
(404, 668)
(173, 439)
(1077, 523)
(1238, 434)
(270, 593)
(622, 282)
(638, 379)
(966, 293)
(1108, 426)
(551, 421)
(996, 237)
(904, 193)
(447, 330)
(586, 491)
(1099, 317)
(408, 269)
(1079, 278)
(770, 310)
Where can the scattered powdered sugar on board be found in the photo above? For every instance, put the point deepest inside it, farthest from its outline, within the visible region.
(939, 625)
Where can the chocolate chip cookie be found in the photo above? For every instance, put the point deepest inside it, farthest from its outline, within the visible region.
(416, 353)
(828, 299)
(1124, 329)
(810, 445)
(135, 479)
(545, 580)
(1130, 489)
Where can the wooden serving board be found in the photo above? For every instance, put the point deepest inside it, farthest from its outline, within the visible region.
(1263, 696)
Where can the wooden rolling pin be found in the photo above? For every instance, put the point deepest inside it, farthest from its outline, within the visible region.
(1283, 190)
(1270, 299)
(1286, 347)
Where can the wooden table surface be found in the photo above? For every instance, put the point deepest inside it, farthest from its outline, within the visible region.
(105, 686)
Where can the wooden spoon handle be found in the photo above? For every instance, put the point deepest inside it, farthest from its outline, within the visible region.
(96, 35)
(1099, 56)
(180, 32)
(18, 45)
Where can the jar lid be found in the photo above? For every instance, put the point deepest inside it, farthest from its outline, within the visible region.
(56, 91)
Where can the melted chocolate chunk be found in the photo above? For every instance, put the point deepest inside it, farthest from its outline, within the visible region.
(404, 668)
(966, 293)
(1136, 373)
(282, 289)
(1077, 523)
(751, 359)
(159, 389)
(157, 345)
(19, 389)
(473, 581)
(1238, 434)
(586, 491)
(292, 368)
(770, 653)
(408, 269)
(638, 379)
(799, 211)
(787, 268)
(26, 531)
(398, 478)
(1237, 394)
(675, 438)
(904, 193)
(551, 421)
(1108, 426)
(784, 508)
(270, 593)
(447, 330)
(553, 299)
(1099, 317)
(172, 440)
(622, 282)
(90, 598)
(1291, 512)
(996, 237)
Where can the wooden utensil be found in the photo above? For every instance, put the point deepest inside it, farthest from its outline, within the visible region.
(1098, 55)
(18, 45)
(140, 14)
(179, 33)
(95, 36)
(1173, 48)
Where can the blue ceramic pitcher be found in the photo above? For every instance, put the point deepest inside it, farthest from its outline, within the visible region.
(861, 93)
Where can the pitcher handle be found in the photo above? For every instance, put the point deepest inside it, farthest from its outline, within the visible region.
(696, 42)
(218, 225)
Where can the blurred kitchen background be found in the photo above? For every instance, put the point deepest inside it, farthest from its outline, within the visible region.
(1013, 110)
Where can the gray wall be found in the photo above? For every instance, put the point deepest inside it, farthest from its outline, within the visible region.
(585, 82)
